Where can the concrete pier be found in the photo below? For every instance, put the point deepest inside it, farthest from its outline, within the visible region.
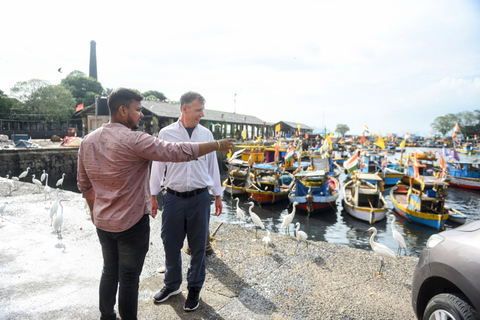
(42, 277)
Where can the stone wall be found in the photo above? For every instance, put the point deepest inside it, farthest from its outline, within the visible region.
(55, 162)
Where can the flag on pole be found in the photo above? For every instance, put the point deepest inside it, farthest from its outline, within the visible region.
(402, 145)
(277, 127)
(365, 129)
(363, 137)
(457, 128)
(329, 140)
(277, 148)
(79, 107)
(352, 163)
(454, 136)
(289, 156)
(407, 135)
(380, 142)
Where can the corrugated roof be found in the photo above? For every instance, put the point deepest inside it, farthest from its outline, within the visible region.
(295, 125)
(168, 110)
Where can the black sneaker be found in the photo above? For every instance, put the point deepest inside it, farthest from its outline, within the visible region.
(192, 299)
(165, 293)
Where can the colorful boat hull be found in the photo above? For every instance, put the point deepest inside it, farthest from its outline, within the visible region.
(400, 204)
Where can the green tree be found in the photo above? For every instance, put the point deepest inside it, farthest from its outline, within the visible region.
(157, 94)
(444, 124)
(56, 103)
(6, 105)
(83, 88)
(23, 90)
(342, 129)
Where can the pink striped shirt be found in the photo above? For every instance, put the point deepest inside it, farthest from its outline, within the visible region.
(113, 169)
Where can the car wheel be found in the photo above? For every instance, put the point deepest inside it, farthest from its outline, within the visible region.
(448, 306)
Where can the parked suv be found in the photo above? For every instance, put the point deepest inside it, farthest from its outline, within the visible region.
(446, 280)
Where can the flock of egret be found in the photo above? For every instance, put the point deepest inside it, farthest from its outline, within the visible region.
(56, 216)
(378, 248)
(287, 220)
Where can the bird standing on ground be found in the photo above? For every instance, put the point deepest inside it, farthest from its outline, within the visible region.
(267, 241)
(2, 208)
(301, 236)
(54, 208)
(240, 213)
(398, 238)
(15, 182)
(289, 218)
(380, 249)
(58, 220)
(10, 185)
(24, 173)
(47, 189)
(255, 219)
(36, 182)
(60, 181)
(43, 176)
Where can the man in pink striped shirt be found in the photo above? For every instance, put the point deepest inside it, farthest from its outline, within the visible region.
(113, 169)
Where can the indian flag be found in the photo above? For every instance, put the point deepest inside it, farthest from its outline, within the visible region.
(365, 129)
(352, 163)
(289, 156)
(349, 139)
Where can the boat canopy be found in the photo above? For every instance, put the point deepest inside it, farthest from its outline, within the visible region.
(265, 166)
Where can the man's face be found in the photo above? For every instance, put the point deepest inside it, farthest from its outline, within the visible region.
(134, 114)
(193, 114)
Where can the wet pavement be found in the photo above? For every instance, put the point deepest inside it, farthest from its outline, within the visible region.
(42, 277)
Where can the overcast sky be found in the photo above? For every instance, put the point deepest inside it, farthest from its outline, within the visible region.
(391, 65)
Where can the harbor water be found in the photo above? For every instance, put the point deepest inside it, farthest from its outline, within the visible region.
(338, 227)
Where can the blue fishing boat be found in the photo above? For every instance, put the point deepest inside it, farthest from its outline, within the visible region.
(314, 191)
(464, 174)
(425, 208)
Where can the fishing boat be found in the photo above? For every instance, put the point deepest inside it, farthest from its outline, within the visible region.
(239, 176)
(425, 208)
(314, 191)
(318, 162)
(364, 200)
(464, 174)
(270, 184)
(469, 148)
(377, 164)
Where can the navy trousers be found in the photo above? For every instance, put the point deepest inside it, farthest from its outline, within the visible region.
(185, 217)
(123, 257)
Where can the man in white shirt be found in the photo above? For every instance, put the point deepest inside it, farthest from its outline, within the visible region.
(186, 205)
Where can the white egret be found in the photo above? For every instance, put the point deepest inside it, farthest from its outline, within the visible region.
(2, 208)
(289, 217)
(24, 173)
(60, 181)
(58, 221)
(267, 240)
(15, 182)
(43, 176)
(380, 249)
(398, 237)
(10, 184)
(47, 189)
(301, 236)
(54, 208)
(37, 182)
(255, 219)
(240, 213)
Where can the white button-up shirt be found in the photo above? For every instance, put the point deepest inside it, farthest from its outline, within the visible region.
(187, 176)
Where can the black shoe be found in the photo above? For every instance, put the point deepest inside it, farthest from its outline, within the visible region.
(165, 293)
(192, 299)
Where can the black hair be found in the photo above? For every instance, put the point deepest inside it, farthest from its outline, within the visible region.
(122, 97)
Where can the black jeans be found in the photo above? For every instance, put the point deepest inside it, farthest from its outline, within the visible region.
(123, 257)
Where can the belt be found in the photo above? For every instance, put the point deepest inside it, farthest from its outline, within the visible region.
(187, 194)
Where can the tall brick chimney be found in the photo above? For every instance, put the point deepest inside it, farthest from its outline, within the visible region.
(93, 60)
